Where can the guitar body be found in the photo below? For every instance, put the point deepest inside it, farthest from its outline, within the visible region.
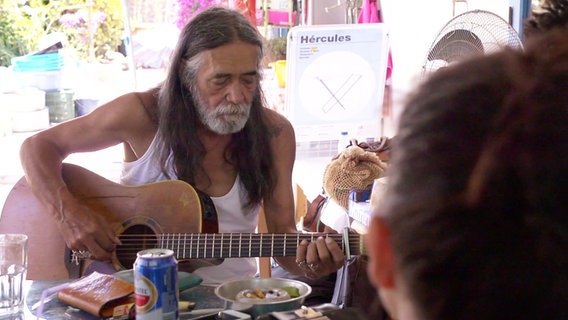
(168, 214)
(175, 207)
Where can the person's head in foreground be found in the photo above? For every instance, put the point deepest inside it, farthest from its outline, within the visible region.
(474, 221)
(548, 14)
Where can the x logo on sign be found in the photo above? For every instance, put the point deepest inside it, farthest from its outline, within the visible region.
(337, 95)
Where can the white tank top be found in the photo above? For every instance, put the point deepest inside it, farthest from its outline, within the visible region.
(147, 169)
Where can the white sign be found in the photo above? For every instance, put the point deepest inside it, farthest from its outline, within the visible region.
(335, 80)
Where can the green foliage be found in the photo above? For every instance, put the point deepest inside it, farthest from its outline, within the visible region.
(92, 27)
(8, 39)
(111, 32)
(92, 30)
(18, 31)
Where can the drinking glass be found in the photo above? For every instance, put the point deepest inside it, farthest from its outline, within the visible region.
(379, 187)
(13, 267)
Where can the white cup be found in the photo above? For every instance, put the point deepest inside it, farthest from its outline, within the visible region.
(379, 187)
(13, 268)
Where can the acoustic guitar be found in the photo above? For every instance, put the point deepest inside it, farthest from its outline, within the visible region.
(167, 214)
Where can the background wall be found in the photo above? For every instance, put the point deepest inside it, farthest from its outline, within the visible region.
(413, 26)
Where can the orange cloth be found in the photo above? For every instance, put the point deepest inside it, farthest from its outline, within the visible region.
(248, 9)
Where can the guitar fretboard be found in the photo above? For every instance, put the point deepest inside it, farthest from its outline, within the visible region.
(235, 245)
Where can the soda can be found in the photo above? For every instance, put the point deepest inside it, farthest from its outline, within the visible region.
(156, 285)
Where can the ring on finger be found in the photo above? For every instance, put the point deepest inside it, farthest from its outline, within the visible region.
(82, 254)
(303, 264)
(78, 255)
(313, 266)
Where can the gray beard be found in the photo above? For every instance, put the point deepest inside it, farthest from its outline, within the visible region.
(226, 118)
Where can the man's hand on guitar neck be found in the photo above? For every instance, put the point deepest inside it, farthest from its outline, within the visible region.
(315, 259)
(84, 229)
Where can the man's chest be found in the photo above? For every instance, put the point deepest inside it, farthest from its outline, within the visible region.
(219, 179)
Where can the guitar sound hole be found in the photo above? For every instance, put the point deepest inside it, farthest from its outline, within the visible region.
(134, 239)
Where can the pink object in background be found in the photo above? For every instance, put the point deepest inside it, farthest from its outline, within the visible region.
(370, 14)
(281, 18)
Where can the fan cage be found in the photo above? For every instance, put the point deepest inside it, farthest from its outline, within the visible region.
(470, 33)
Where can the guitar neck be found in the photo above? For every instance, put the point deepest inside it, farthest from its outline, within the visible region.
(239, 245)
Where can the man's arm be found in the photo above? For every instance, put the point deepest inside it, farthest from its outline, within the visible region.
(324, 255)
(43, 153)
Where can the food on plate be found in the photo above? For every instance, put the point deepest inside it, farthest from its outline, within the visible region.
(292, 291)
(267, 295)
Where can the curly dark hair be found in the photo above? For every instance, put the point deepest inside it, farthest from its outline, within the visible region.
(548, 15)
(476, 200)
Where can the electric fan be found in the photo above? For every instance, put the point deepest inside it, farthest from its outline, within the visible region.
(475, 32)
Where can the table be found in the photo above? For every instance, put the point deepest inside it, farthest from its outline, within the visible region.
(204, 297)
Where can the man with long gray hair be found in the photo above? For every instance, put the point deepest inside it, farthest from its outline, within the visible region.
(206, 124)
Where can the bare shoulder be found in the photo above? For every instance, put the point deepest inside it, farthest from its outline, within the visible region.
(149, 101)
(134, 101)
(134, 109)
(279, 126)
(283, 138)
(123, 119)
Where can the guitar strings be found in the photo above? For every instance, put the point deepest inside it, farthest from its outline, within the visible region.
(202, 245)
